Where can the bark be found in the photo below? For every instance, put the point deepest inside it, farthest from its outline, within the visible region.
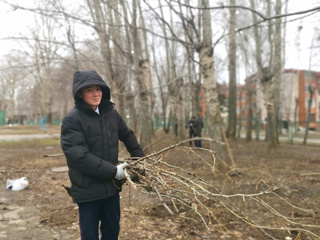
(145, 101)
(147, 56)
(142, 76)
(180, 114)
(232, 109)
(163, 95)
(214, 120)
(190, 36)
(296, 110)
(249, 85)
(277, 71)
(266, 74)
(240, 112)
(169, 76)
(311, 92)
(118, 63)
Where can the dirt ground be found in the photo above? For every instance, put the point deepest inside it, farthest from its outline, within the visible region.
(45, 211)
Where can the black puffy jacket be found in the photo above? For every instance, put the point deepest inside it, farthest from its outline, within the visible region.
(90, 142)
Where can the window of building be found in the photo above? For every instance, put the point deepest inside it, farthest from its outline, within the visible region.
(307, 102)
(312, 117)
(309, 75)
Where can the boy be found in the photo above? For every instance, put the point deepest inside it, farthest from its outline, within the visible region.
(90, 133)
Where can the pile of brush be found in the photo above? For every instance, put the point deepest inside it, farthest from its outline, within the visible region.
(186, 195)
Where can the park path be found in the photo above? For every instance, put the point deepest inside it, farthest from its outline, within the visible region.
(21, 137)
(20, 220)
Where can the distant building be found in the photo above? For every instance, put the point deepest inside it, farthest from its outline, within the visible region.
(296, 87)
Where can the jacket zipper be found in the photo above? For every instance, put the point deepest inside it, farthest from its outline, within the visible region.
(108, 129)
(109, 136)
(101, 130)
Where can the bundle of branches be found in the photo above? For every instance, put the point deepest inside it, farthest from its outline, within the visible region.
(181, 191)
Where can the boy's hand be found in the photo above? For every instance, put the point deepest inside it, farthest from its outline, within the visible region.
(120, 174)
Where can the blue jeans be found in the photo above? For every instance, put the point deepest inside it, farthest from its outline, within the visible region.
(106, 211)
(191, 135)
(197, 143)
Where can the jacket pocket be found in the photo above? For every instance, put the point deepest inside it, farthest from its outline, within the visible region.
(77, 178)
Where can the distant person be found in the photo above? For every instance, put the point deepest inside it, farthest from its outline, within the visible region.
(198, 126)
(175, 130)
(90, 135)
(190, 126)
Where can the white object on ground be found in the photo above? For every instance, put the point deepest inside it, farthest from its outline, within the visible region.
(17, 184)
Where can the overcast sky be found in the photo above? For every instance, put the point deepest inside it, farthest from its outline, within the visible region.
(298, 46)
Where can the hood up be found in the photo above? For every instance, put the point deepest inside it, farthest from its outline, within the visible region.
(82, 79)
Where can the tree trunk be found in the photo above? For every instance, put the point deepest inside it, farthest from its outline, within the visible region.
(296, 123)
(311, 92)
(142, 72)
(145, 101)
(232, 109)
(180, 114)
(214, 120)
(249, 86)
(240, 113)
(277, 71)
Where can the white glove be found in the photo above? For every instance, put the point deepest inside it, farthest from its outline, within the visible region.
(120, 174)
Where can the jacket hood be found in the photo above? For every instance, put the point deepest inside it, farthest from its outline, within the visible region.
(82, 79)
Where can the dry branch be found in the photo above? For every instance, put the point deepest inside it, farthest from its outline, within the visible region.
(53, 155)
(186, 195)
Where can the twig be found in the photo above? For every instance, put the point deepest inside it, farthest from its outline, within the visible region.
(168, 183)
(309, 174)
(54, 155)
(228, 148)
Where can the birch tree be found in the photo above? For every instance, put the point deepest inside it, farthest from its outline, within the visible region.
(310, 100)
(277, 69)
(214, 120)
(267, 68)
(142, 75)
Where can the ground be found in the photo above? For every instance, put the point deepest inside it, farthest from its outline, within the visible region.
(45, 211)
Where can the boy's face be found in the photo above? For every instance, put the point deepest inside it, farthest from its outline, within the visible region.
(91, 95)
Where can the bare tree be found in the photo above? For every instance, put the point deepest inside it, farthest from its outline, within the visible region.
(232, 56)
(310, 101)
(214, 120)
(277, 68)
(269, 68)
(250, 88)
(14, 86)
(118, 43)
(142, 76)
(42, 52)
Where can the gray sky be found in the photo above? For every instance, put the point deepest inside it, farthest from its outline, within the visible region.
(298, 45)
(298, 49)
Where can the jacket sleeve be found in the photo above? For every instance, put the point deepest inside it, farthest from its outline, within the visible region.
(129, 139)
(77, 153)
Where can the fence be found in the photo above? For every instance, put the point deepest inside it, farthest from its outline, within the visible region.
(2, 118)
